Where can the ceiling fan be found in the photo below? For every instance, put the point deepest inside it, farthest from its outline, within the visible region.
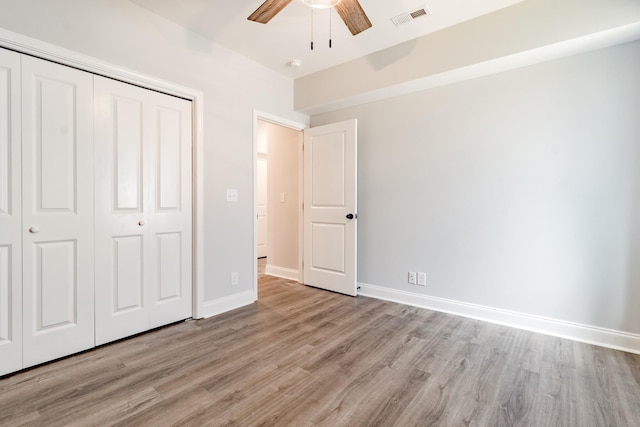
(349, 10)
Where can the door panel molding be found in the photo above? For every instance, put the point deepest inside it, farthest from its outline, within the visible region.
(127, 284)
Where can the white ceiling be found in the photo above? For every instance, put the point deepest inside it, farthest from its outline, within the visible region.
(287, 36)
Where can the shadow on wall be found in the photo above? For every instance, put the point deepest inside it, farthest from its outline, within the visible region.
(386, 57)
(183, 37)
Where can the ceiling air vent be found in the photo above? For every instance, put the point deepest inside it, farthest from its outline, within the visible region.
(410, 16)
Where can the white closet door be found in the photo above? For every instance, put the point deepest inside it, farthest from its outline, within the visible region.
(143, 209)
(170, 230)
(10, 215)
(57, 179)
(121, 210)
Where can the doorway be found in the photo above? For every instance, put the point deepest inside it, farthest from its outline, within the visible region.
(278, 198)
(326, 207)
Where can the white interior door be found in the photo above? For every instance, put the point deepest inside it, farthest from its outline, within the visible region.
(10, 215)
(261, 205)
(57, 182)
(330, 232)
(143, 209)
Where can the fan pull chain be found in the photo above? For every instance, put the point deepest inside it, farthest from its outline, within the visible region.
(311, 28)
(330, 10)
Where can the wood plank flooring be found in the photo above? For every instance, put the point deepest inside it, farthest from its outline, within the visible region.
(305, 357)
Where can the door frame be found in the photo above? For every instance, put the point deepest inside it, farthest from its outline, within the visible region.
(40, 49)
(297, 126)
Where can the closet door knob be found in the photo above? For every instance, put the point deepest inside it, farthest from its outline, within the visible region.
(140, 223)
(33, 230)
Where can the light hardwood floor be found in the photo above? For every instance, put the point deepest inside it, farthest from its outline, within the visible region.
(302, 356)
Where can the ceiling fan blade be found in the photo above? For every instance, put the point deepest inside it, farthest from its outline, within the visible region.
(353, 16)
(268, 10)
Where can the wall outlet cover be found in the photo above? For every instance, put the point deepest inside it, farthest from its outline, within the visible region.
(412, 277)
(422, 279)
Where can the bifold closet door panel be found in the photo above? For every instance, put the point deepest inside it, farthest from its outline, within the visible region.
(122, 205)
(10, 215)
(170, 219)
(57, 201)
(143, 209)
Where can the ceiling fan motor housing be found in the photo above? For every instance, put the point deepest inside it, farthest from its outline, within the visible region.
(349, 10)
(321, 4)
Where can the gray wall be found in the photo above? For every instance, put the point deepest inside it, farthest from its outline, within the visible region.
(518, 191)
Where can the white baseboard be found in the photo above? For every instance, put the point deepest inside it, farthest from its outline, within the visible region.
(584, 333)
(221, 305)
(285, 273)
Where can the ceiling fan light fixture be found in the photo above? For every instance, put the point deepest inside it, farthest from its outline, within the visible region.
(321, 4)
(350, 12)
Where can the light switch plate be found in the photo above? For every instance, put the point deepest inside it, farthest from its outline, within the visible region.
(232, 195)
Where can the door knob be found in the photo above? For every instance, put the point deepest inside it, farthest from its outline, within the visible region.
(351, 216)
(140, 223)
(33, 230)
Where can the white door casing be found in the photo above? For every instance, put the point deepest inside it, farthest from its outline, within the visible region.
(261, 205)
(10, 215)
(57, 200)
(330, 185)
(143, 209)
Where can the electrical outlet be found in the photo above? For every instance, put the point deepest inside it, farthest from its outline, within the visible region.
(234, 278)
(412, 277)
(422, 279)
